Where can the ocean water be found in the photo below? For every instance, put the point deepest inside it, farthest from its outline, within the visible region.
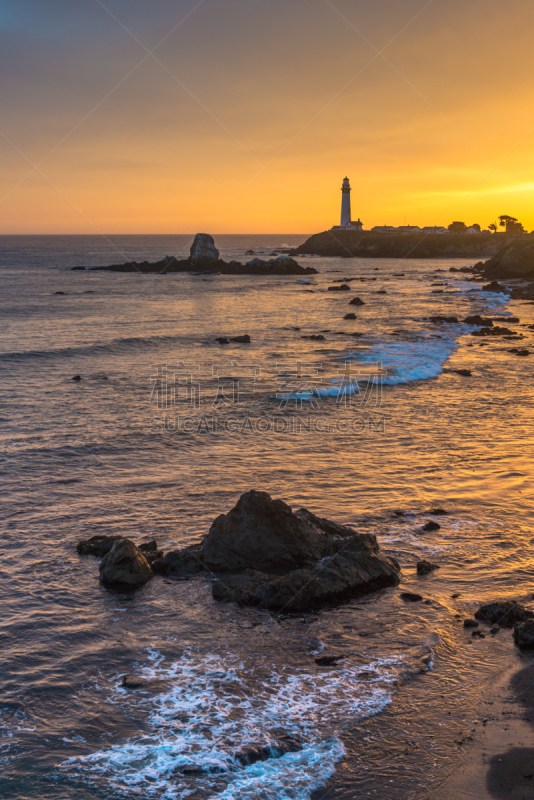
(164, 431)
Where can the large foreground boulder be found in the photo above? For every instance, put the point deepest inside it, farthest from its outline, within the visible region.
(125, 566)
(264, 534)
(262, 553)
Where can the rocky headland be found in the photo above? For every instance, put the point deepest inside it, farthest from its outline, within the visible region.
(204, 257)
(261, 554)
(349, 244)
(514, 262)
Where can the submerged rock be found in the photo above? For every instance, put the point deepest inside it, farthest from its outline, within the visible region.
(265, 554)
(470, 623)
(284, 744)
(328, 661)
(505, 613)
(425, 567)
(132, 682)
(125, 565)
(496, 287)
(440, 318)
(476, 319)
(356, 301)
(494, 331)
(431, 526)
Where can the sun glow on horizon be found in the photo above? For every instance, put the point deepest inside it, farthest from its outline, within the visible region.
(208, 134)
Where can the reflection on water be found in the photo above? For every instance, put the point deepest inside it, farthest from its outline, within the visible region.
(84, 457)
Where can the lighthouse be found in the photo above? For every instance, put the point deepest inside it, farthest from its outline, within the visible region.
(346, 216)
(347, 224)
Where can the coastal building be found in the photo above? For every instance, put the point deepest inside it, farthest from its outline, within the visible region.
(384, 229)
(472, 229)
(409, 229)
(347, 224)
(435, 229)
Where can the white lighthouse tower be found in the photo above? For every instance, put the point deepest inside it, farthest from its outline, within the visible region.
(347, 224)
(346, 216)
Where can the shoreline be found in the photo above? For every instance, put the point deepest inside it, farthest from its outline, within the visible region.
(499, 765)
(474, 743)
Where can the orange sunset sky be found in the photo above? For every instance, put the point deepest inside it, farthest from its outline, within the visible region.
(249, 113)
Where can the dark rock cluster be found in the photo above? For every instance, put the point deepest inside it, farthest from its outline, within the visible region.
(205, 256)
(260, 553)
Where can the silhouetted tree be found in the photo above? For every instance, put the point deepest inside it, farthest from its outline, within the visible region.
(457, 227)
(511, 224)
(476, 226)
(493, 227)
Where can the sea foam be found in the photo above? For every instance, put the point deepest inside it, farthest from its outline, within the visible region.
(208, 715)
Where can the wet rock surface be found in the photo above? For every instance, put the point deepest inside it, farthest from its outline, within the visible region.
(524, 635)
(265, 554)
(440, 318)
(476, 319)
(505, 613)
(494, 286)
(98, 546)
(411, 597)
(425, 567)
(125, 566)
(496, 330)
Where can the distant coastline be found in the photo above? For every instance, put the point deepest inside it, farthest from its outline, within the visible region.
(366, 244)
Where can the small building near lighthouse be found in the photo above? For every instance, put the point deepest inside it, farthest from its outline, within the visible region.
(347, 223)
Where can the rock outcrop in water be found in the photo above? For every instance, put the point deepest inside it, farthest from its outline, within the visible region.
(262, 553)
(203, 252)
(505, 613)
(125, 566)
(204, 256)
(524, 635)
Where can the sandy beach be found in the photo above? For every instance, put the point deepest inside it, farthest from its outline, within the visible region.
(499, 763)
